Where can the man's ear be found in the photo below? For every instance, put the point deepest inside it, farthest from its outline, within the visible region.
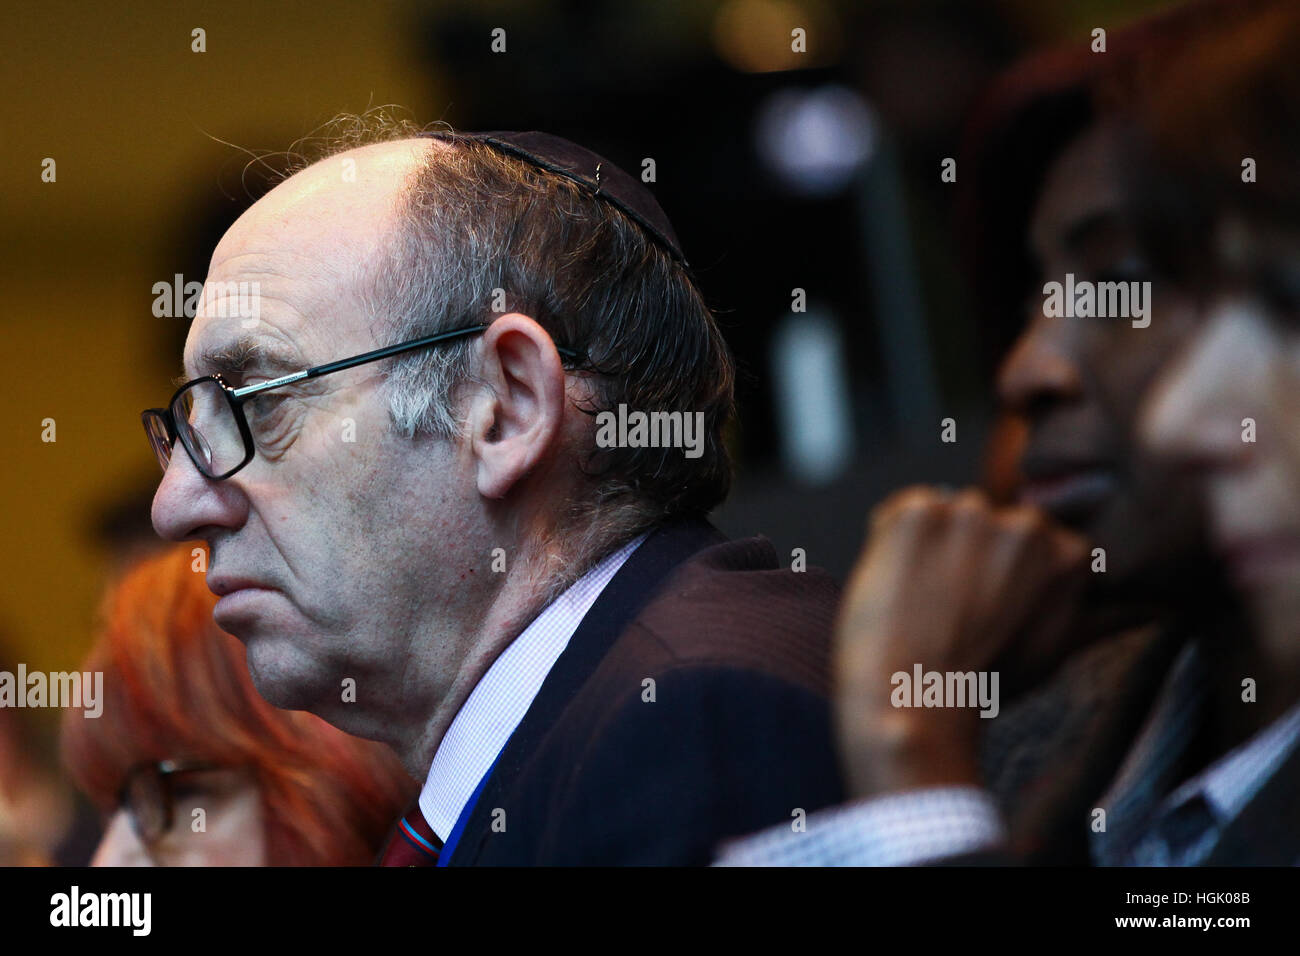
(515, 421)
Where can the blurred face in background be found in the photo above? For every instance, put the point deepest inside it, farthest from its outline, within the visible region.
(1077, 381)
(1243, 367)
(191, 767)
(209, 817)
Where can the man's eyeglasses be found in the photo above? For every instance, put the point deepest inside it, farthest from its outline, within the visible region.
(149, 794)
(208, 416)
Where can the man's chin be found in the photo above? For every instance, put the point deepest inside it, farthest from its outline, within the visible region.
(279, 676)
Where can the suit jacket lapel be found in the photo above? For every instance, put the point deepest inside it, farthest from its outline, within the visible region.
(622, 599)
(1267, 830)
(1053, 813)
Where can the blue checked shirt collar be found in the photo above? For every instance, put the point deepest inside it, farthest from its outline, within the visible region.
(503, 695)
(1144, 808)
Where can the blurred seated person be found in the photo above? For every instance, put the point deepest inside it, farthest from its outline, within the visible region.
(193, 768)
(1224, 215)
(1089, 597)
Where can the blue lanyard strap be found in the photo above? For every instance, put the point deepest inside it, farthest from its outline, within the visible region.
(468, 811)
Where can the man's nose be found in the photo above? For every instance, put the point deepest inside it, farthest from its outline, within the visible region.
(1191, 414)
(1040, 369)
(186, 502)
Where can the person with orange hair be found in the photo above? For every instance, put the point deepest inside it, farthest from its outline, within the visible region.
(193, 767)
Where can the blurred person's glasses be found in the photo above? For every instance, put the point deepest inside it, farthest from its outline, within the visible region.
(149, 794)
(208, 417)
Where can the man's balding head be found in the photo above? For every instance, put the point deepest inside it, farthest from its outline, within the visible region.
(359, 544)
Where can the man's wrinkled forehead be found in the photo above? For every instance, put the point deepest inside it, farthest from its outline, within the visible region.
(297, 320)
(302, 256)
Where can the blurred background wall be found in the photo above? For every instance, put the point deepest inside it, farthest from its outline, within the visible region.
(816, 171)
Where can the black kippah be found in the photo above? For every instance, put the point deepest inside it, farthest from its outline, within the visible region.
(596, 174)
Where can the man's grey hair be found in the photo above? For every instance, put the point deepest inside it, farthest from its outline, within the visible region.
(478, 234)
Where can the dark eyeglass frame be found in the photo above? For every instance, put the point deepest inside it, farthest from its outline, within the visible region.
(236, 397)
(164, 772)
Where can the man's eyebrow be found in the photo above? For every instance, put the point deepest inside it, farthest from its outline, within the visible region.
(245, 354)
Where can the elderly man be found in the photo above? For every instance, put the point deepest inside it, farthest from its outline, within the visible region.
(416, 530)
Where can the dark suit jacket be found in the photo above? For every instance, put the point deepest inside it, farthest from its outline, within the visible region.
(1050, 756)
(1058, 752)
(738, 735)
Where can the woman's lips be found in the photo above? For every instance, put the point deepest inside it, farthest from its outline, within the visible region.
(1069, 492)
